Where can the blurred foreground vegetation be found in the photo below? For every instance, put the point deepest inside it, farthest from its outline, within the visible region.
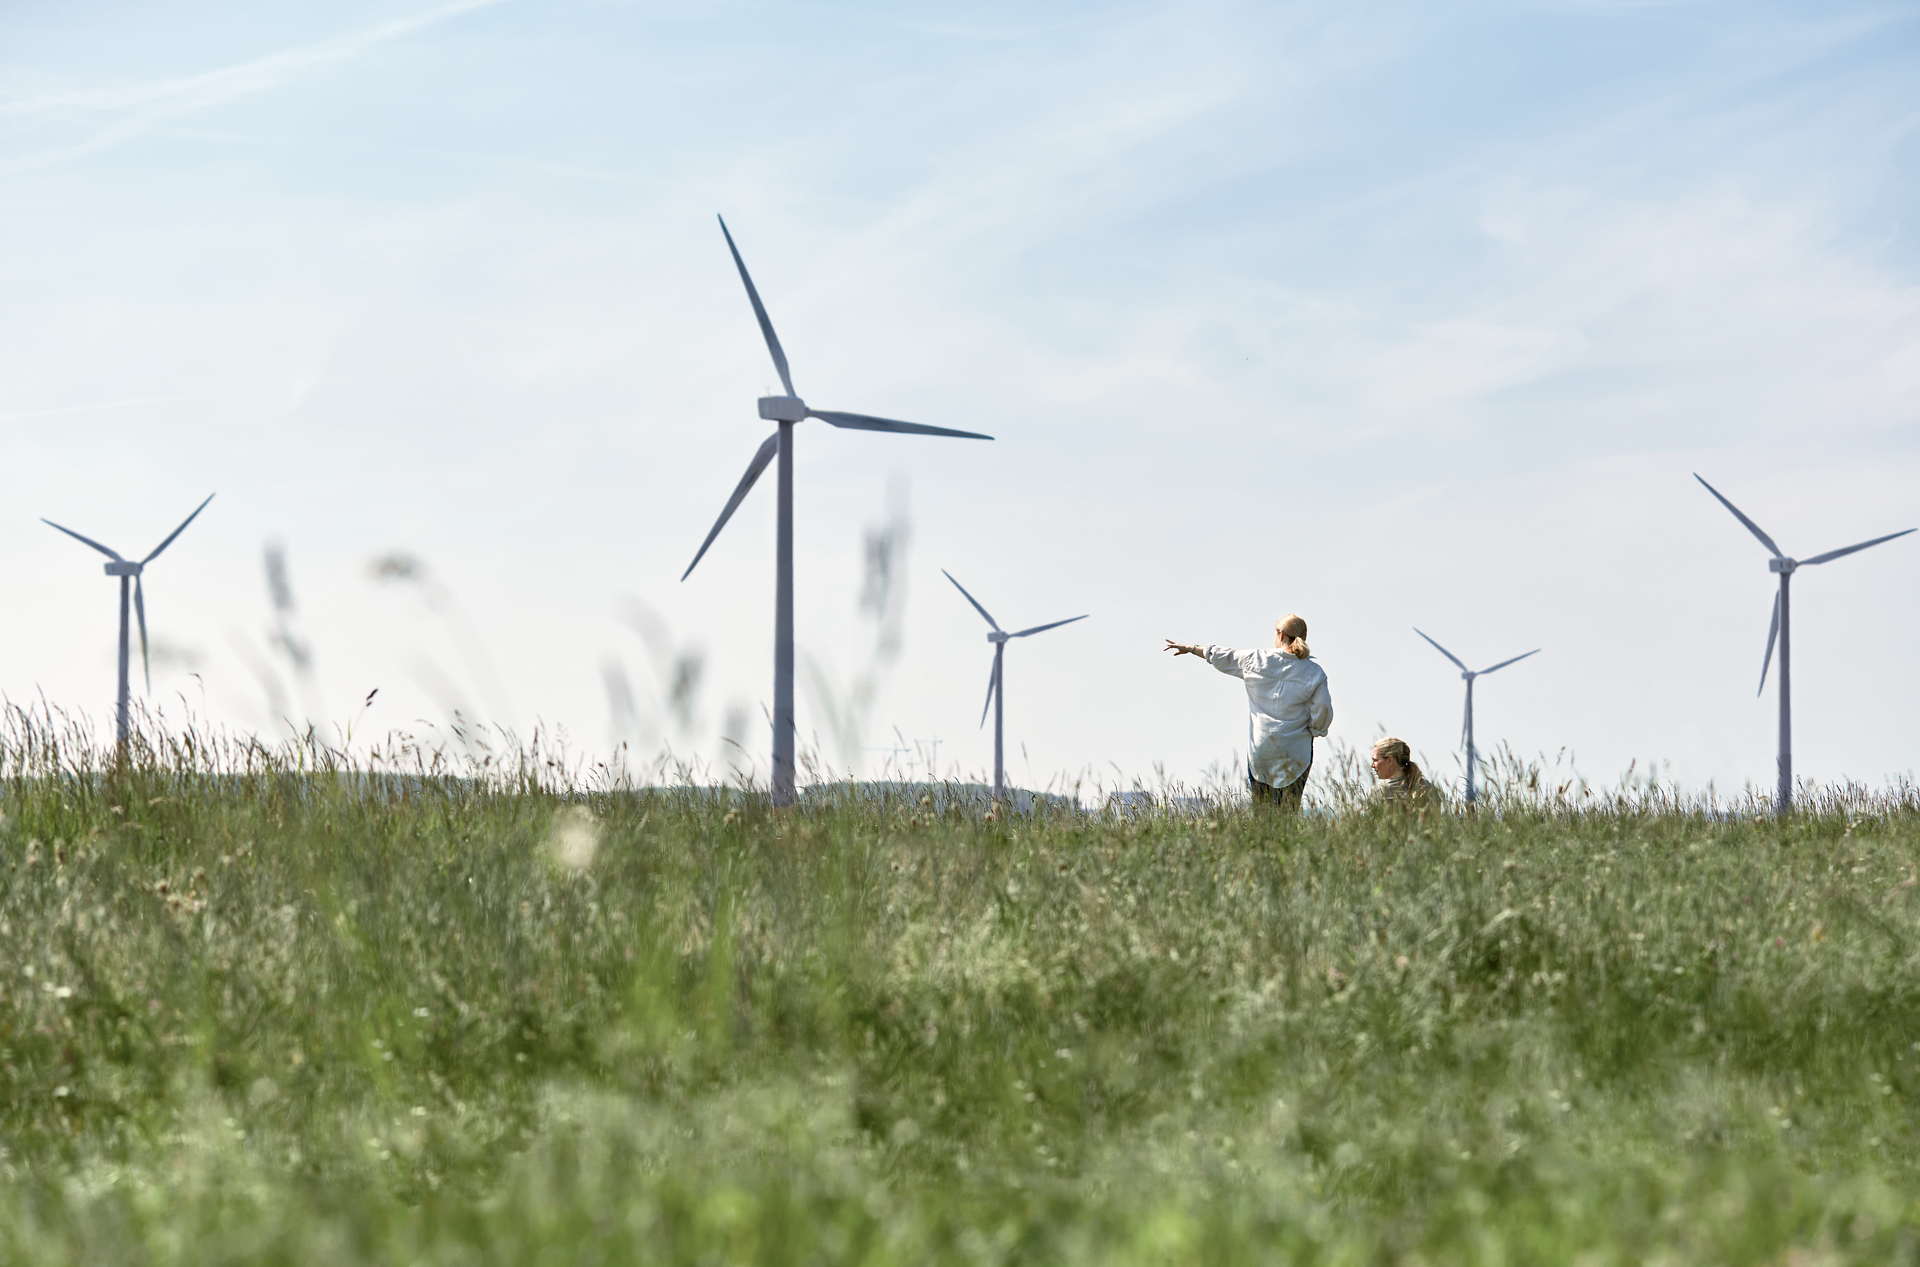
(254, 1009)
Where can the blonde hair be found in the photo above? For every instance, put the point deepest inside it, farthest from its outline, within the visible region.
(1292, 627)
(1395, 749)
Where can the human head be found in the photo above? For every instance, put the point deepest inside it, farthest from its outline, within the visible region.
(1392, 757)
(1290, 634)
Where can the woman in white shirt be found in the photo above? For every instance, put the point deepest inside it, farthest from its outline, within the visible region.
(1288, 708)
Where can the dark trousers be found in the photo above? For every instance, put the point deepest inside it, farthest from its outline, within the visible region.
(1286, 798)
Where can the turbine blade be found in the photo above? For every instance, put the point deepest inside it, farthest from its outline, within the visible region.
(177, 531)
(89, 540)
(971, 599)
(1834, 554)
(993, 680)
(140, 610)
(1504, 663)
(1043, 628)
(863, 422)
(1752, 527)
(759, 464)
(1773, 631)
(1443, 651)
(760, 311)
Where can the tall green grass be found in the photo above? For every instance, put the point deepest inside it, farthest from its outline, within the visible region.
(257, 1006)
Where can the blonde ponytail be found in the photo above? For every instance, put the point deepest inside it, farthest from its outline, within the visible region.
(1292, 628)
(1395, 749)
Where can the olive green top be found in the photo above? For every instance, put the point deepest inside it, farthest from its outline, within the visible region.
(1399, 791)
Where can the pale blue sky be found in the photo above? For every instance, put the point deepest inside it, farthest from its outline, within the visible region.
(1392, 314)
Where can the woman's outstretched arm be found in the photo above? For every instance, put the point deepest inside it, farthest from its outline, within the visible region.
(1225, 659)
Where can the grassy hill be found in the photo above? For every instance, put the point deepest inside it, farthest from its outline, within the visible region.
(253, 1012)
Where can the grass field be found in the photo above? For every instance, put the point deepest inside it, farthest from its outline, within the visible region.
(252, 1011)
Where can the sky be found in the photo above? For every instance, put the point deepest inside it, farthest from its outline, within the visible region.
(1395, 315)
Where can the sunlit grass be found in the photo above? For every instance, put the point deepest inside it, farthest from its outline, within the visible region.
(256, 1007)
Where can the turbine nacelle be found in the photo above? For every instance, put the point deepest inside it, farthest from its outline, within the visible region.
(1783, 567)
(123, 568)
(783, 409)
(998, 636)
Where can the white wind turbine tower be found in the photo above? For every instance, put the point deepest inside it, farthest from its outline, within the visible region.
(1784, 567)
(129, 571)
(788, 410)
(1467, 675)
(997, 683)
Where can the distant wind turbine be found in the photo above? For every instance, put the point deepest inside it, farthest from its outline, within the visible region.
(126, 571)
(1781, 628)
(997, 683)
(1467, 675)
(786, 411)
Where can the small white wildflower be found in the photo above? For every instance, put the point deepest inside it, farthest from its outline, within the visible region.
(574, 839)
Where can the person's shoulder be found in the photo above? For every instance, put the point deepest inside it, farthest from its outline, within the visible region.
(1390, 792)
(1395, 793)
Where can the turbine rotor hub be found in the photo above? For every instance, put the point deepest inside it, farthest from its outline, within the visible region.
(783, 408)
(123, 569)
(1784, 567)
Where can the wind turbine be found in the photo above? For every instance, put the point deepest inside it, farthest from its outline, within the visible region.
(997, 683)
(1781, 628)
(128, 571)
(786, 411)
(1467, 675)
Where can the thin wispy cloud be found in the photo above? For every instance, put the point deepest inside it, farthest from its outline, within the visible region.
(136, 402)
(137, 109)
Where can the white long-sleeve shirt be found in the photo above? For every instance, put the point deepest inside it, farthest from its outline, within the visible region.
(1288, 707)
